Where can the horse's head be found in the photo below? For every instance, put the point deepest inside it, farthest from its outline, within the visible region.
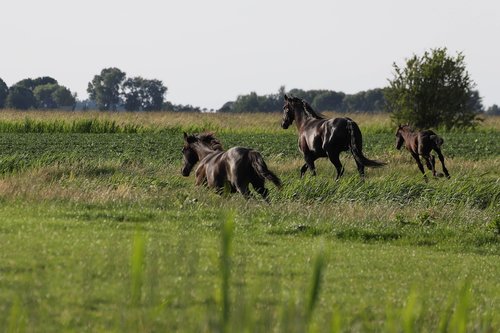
(288, 112)
(189, 154)
(196, 147)
(399, 136)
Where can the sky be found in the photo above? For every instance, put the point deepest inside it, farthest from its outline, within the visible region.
(207, 52)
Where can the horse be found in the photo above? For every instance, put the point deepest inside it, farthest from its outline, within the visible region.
(421, 143)
(236, 167)
(322, 137)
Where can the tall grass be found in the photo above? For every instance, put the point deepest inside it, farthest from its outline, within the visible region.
(92, 125)
(57, 121)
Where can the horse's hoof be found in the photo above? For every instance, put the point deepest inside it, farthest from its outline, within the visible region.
(439, 174)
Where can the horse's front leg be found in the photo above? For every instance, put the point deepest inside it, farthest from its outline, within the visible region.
(303, 170)
(309, 158)
(441, 158)
(419, 163)
(201, 177)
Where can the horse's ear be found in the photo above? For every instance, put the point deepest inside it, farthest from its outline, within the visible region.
(189, 138)
(286, 97)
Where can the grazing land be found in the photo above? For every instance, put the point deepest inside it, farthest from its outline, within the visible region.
(100, 232)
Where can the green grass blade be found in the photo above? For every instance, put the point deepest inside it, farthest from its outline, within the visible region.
(137, 268)
(315, 287)
(225, 269)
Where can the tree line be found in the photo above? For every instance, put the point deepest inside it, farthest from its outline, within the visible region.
(321, 100)
(40, 93)
(428, 91)
(110, 90)
(431, 90)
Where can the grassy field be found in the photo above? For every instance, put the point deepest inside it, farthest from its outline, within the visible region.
(99, 231)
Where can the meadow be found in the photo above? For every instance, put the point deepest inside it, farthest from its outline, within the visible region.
(100, 232)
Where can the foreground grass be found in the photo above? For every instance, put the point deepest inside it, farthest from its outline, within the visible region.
(100, 233)
(74, 272)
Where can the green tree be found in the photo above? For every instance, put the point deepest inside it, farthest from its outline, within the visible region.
(493, 110)
(43, 94)
(31, 84)
(132, 94)
(20, 98)
(53, 96)
(153, 95)
(141, 94)
(365, 101)
(104, 89)
(4, 91)
(433, 90)
(247, 103)
(328, 101)
(63, 97)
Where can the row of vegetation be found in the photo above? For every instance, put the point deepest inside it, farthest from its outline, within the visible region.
(321, 100)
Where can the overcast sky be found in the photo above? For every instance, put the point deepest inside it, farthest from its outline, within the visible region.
(208, 52)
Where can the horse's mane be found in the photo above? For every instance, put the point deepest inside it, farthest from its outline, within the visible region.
(209, 140)
(407, 127)
(310, 112)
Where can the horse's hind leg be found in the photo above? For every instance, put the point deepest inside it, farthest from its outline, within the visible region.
(258, 185)
(361, 169)
(242, 187)
(334, 158)
(441, 158)
(430, 161)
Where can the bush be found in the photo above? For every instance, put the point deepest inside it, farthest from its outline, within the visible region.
(433, 90)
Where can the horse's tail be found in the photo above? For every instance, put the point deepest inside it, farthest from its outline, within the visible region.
(438, 141)
(261, 169)
(356, 146)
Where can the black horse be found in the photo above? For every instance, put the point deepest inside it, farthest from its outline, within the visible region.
(236, 167)
(321, 137)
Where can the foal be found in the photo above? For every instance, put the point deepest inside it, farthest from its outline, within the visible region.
(237, 167)
(421, 144)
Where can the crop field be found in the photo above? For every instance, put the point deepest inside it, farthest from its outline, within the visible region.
(99, 232)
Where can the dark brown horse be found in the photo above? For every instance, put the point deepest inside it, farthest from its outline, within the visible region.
(421, 144)
(321, 137)
(237, 167)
